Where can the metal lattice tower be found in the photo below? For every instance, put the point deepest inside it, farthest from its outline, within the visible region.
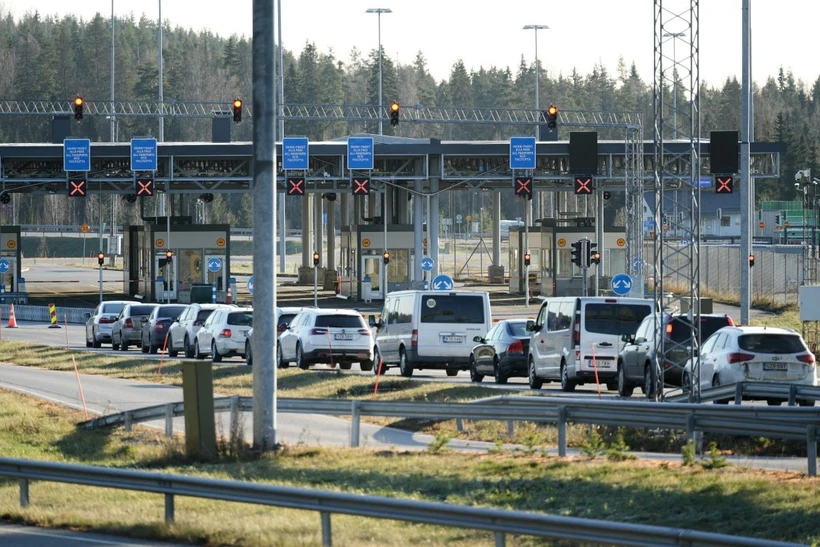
(635, 205)
(677, 180)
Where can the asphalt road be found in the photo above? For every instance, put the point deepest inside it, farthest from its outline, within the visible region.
(31, 536)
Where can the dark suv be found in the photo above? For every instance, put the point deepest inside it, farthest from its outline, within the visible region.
(634, 361)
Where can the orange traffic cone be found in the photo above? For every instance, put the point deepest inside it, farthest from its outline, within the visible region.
(12, 319)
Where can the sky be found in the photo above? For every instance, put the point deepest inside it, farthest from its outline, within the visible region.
(582, 33)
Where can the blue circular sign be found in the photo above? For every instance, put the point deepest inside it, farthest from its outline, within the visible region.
(4, 265)
(621, 284)
(427, 264)
(443, 283)
(214, 264)
(250, 285)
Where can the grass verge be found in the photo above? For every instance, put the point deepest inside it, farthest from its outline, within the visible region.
(781, 506)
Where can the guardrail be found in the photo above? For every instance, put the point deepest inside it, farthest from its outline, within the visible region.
(783, 423)
(498, 521)
(790, 393)
(41, 313)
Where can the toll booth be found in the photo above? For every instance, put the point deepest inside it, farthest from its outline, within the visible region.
(362, 261)
(551, 271)
(199, 259)
(12, 285)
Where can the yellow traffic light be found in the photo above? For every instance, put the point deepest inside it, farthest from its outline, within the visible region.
(78, 108)
(394, 113)
(316, 259)
(169, 255)
(101, 258)
(237, 110)
(386, 257)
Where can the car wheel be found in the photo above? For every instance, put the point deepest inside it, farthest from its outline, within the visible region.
(405, 367)
(88, 343)
(172, 353)
(198, 354)
(474, 375)
(280, 358)
(143, 346)
(114, 345)
(300, 358)
(774, 402)
(535, 381)
(716, 383)
(189, 349)
(123, 345)
(686, 384)
(379, 367)
(94, 342)
(625, 389)
(805, 402)
(649, 390)
(151, 347)
(215, 356)
(566, 384)
(248, 354)
(500, 377)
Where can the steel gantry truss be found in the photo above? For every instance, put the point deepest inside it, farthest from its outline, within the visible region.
(677, 212)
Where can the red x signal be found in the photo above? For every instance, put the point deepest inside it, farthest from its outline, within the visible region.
(145, 187)
(523, 187)
(724, 185)
(296, 187)
(583, 185)
(361, 187)
(77, 188)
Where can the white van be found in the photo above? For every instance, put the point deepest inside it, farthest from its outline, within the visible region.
(430, 330)
(576, 339)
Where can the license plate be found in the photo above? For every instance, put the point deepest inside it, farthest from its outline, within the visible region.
(344, 337)
(775, 366)
(453, 339)
(603, 363)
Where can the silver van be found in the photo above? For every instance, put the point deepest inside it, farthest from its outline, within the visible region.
(429, 330)
(576, 339)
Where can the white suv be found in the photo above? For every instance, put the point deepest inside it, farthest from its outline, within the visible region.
(326, 336)
(183, 331)
(223, 334)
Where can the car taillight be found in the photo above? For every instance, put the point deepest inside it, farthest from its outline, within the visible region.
(414, 338)
(128, 324)
(226, 333)
(576, 334)
(364, 332)
(516, 347)
(739, 357)
(806, 358)
(104, 320)
(159, 327)
(318, 331)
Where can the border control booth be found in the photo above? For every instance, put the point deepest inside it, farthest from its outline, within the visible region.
(12, 284)
(551, 270)
(199, 261)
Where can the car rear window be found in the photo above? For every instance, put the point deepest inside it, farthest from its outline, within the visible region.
(518, 329)
(173, 311)
(708, 326)
(202, 315)
(452, 308)
(241, 319)
(142, 310)
(286, 318)
(771, 343)
(614, 318)
(340, 321)
(112, 308)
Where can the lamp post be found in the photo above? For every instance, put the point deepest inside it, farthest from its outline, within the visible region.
(536, 28)
(379, 12)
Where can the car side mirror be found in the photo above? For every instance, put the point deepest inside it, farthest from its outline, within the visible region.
(282, 327)
(628, 338)
(478, 339)
(87, 315)
(530, 325)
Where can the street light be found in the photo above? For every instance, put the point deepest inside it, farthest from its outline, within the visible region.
(536, 28)
(379, 12)
(674, 36)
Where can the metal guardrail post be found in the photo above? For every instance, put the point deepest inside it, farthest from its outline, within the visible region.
(169, 508)
(234, 414)
(738, 393)
(500, 539)
(562, 431)
(23, 493)
(792, 395)
(690, 427)
(811, 449)
(354, 430)
(169, 420)
(129, 418)
(460, 425)
(327, 533)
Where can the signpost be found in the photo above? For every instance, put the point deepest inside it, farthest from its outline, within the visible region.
(295, 153)
(427, 264)
(443, 283)
(360, 153)
(76, 155)
(621, 284)
(250, 285)
(522, 152)
(214, 265)
(144, 154)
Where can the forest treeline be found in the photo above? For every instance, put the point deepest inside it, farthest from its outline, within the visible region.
(52, 58)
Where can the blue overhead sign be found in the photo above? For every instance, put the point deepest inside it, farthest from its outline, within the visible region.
(621, 284)
(295, 153)
(76, 155)
(144, 154)
(522, 152)
(360, 153)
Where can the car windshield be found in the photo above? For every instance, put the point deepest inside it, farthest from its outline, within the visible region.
(170, 311)
(141, 310)
(614, 318)
(340, 321)
(241, 319)
(114, 309)
(518, 329)
(452, 308)
(771, 343)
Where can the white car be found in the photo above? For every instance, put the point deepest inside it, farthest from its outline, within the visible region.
(754, 354)
(98, 324)
(333, 336)
(183, 331)
(224, 333)
(283, 318)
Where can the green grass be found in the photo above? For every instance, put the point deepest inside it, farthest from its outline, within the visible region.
(780, 506)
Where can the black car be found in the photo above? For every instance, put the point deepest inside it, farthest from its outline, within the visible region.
(502, 352)
(155, 328)
(634, 361)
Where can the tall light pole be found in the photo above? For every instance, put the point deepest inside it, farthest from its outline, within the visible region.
(536, 28)
(159, 65)
(379, 12)
(674, 36)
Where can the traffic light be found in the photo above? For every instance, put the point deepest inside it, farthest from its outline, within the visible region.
(101, 258)
(582, 185)
(169, 256)
(237, 110)
(79, 103)
(386, 257)
(594, 255)
(751, 259)
(576, 253)
(394, 113)
(296, 187)
(724, 184)
(145, 187)
(584, 252)
(77, 187)
(5, 198)
(552, 116)
(527, 259)
(777, 219)
(607, 194)
(316, 258)
(523, 187)
(361, 187)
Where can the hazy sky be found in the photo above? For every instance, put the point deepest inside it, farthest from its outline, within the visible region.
(582, 32)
